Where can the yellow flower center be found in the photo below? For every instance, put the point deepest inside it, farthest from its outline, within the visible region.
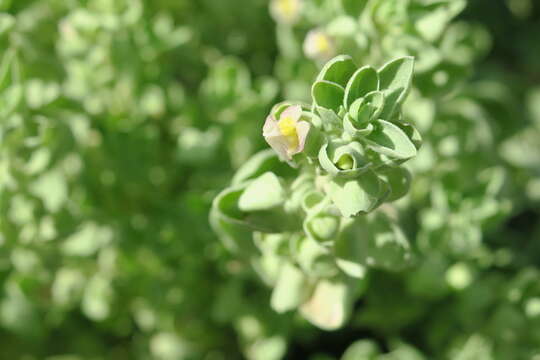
(322, 43)
(287, 128)
(287, 8)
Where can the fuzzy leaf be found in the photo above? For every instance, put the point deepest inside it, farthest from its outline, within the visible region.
(327, 94)
(322, 227)
(354, 196)
(367, 108)
(329, 306)
(390, 140)
(315, 259)
(395, 81)
(363, 81)
(338, 70)
(258, 164)
(263, 193)
(330, 120)
(226, 210)
(290, 289)
(331, 158)
(399, 180)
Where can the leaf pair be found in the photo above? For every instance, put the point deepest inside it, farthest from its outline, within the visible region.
(340, 84)
(395, 140)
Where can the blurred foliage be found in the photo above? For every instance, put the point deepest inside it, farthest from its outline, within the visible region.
(121, 120)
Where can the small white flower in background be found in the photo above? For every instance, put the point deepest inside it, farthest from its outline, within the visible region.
(318, 45)
(286, 135)
(286, 11)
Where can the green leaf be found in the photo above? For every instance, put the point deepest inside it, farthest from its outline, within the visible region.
(327, 94)
(322, 227)
(330, 120)
(353, 7)
(355, 130)
(315, 258)
(258, 164)
(362, 82)
(523, 149)
(342, 26)
(329, 305)
(361, 350)
(355, 196)
(356, 122)
(412, 133)
(334, 157)
(87, 241)
(302, 185)
(338, 70)
(263, 193)
(9, 70)
(225, 219)
(291, 289)
(312, 200)
(11, 89)
(7, 23)
(395, 81)
(390, 140)
(432, 23)
(399, 180)
(227, 215)
(315, 139)
(374, 241)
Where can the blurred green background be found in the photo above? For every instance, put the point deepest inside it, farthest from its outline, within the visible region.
(120, 120)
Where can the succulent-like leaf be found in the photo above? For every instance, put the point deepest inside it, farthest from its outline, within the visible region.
(263, 193)
(412, 133)
(367, 108)
(362, 82)
(395, 81)
(343, 160)
(322, 227)
(329, 305)
(338, 70)
(235, 235)
(258, 164)
(226, 209)
(390, 140)
(358, 195)
(354, 130)
(399, 180)
(315, 259)
(290, 290)
(330, 120)
(327, 94)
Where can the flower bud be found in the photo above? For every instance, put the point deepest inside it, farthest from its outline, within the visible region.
(318, 45)
(286, 11)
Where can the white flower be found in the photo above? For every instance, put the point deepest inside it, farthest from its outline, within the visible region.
(287, 136)
(286, 11)
(318, 45)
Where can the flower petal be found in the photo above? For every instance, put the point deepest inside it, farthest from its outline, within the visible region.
(294, 112)
(270, 127)
(302, 129)
(280, 145)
